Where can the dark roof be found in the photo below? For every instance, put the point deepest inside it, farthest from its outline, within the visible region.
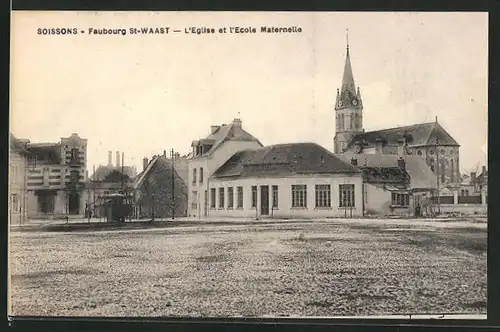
(283, 159)
(386, 175)
(162, 161)
(103, 171)
(231, 132)
(423, 134)
(421, 176)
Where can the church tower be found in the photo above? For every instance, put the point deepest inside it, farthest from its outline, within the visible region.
(348, 109)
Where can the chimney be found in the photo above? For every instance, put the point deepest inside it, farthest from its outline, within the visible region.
(473, 176)
(378, 146)
(354, 162)
(177, 155)
(213, 129)
(402, 163)
(237, 122)
(164, 153)
(144, 163)
(117, 159)
(484, 170)
(110, 159)
(401, 147)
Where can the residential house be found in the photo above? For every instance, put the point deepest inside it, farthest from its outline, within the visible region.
(208, 154)
(300, 180)
(56, 178)
(18, 157)
(160, 186)
(393, 184)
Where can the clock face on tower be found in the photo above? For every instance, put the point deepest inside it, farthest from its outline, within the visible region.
(340, 103)
(354, 102)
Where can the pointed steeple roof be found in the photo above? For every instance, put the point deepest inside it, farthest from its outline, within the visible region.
(348, 78)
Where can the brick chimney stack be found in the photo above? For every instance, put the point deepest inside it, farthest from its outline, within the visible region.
(237, 122)
(110, 159)
(145, 163)
(484, 170)
(473, 176)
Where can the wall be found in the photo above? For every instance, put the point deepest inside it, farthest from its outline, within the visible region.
(210, 164)
(450, 155)
(464, 208)
(379, 201)
(285, 209)
(17, 187)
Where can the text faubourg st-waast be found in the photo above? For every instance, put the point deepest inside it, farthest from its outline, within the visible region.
(165, 30)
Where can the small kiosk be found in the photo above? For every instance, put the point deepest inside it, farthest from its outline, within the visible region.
(117, 207)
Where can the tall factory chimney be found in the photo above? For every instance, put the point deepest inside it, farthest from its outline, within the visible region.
(117, 159)
(110, 159)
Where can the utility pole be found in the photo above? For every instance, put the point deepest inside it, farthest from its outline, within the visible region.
(172, 195)
(123, 154)
(437, 175)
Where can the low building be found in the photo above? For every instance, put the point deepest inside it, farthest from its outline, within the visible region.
(207, 155)
(159, 187)
(301, 180)
(393, 185)
(56, 178)
(18, 156)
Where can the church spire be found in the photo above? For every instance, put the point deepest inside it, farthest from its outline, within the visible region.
(348, 78)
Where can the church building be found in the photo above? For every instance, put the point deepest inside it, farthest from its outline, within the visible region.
(430, 141)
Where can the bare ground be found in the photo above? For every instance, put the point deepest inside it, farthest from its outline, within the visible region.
(307, 269)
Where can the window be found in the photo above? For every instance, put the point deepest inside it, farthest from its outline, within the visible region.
(442, 171)
(254, 196)
(74, 176)
(201, 174)
(419, 152)
(275, 197)
(221, 198)
(230, 197)
(239, 191)
(194, 202)
(14, 202)
(431, 152)
(74, 155)
(452, 170)
(323, 195)
(212, 198)
(346, 195)
(402, 200)
(194, 175)
(13, 172)
(299, 196)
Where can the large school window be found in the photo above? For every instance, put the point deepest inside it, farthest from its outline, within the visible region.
(239, 193)
(230, 197)
(299, 195)
(346, 195)
(194, 197)
(402, 200)
(194, 175)
(254, 196)
(212, 197)
(221, 198)
(201, 174)
(275, 197)
(323, 195)
(15, 202)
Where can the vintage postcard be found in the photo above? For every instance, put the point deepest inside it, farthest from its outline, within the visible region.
(248, 164)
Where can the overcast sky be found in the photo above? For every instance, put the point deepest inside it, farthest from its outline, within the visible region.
(145, 94)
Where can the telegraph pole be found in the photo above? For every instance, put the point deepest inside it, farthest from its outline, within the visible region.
(123, 154)
(172, 157)
(437, 175)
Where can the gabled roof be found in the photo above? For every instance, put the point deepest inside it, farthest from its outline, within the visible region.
(157, 159)
(421, 176)
(282, 160)
(230, 132)
(423, 134)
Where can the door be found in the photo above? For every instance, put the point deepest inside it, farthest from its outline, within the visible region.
(264, 200)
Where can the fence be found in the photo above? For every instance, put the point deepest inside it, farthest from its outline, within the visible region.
(443, 200)
(476, 199)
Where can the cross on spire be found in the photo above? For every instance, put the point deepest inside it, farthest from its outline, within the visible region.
(347, 38)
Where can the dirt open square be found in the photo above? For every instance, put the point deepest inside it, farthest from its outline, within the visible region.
(327, 268)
